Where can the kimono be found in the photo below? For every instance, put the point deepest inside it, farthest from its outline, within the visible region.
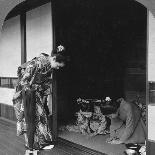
(116, 129)
(129, 126)
(30, 101)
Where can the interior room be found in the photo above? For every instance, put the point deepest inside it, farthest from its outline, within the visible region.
(106, 43)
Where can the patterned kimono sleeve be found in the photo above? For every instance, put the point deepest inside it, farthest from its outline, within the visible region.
(129, 126)
(28, 75)
(18, 98)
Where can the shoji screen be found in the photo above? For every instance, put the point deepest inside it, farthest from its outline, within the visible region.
(39, 31)
(10, 47)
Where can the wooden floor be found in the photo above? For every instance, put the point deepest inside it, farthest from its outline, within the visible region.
(10, 144)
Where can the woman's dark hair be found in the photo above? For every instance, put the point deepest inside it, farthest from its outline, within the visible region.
(60, 56)
(108, 108)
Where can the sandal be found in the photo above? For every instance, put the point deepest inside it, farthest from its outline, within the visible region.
(48, 147)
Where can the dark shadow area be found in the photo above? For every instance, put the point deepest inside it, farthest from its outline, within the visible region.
(106, 41)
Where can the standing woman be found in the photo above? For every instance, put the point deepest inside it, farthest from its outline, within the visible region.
(30, 99)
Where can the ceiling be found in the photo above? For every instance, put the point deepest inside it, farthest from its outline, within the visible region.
(5, 7)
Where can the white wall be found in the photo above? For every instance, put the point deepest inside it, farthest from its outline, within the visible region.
(10, 48)
(6, 95)
(10, 55)
(39, 31)
(151, 48)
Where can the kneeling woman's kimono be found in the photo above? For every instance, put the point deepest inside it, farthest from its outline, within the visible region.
(128, 127)
(30, 101)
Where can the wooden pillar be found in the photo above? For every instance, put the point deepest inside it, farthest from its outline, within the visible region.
(23, 37)
(147, 85)
(54, 82)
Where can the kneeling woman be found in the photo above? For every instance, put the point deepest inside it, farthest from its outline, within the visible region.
(127, 125)
(30, 99)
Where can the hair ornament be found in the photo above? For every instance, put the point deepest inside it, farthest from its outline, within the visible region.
(108, 99)
(60, 48)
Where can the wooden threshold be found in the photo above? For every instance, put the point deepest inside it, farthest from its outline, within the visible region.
(76, 149)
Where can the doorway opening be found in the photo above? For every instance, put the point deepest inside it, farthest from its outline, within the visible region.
(106, 42)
